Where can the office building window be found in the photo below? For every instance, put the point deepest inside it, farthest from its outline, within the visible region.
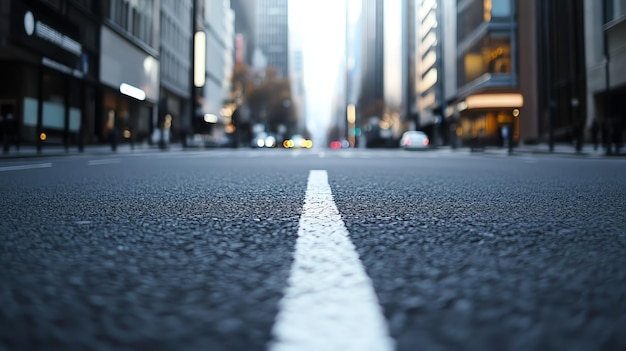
(490, 55)
(469, 18)
(500, 8)
(134, 17)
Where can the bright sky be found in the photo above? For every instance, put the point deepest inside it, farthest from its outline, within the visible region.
(321, 26)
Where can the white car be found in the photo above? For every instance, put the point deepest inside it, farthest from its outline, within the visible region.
(263, 140)
(414, 139)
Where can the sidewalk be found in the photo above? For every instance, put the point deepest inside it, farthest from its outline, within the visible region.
(30, 151)
(559, 149)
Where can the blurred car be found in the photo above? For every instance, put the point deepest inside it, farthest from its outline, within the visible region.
(339, 144)
(297, 141)
(414, 139)
(263, 140)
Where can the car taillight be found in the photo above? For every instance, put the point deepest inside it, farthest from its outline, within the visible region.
(426, 142)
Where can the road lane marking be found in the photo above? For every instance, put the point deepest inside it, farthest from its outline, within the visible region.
(106, 161)
(23, 167)
(330, 303)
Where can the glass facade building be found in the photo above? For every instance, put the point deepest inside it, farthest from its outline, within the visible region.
(272, 28)
(489, 97)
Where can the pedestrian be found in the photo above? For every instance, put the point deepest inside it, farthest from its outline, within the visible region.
(616, 137)
(504, 134)
(113, 138)
(606, 135)
(8, 128)
(578, 136)
(595, 130)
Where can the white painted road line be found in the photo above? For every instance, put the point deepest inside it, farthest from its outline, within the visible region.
(330, 303)
(106, 161)
(23, 167)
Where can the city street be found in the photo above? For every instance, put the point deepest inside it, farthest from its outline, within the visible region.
(315, 249)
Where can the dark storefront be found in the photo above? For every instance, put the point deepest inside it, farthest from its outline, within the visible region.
(130, 91)
(46, 66)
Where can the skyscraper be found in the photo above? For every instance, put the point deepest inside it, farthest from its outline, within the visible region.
(245, 25)
(429, 68)
(605, 25)
(272, 30)
(371, 104)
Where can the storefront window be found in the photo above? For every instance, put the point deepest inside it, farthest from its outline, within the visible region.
(53, 109)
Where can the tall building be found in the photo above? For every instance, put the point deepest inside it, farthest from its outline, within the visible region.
(397, 18)
(216, 21)
(272, 34)
(129, 69)
(562, 69)
(429, 69)
(245, 26)
(296, 77)
(175, 58)
(348, 124)
(605, 40)
(371, 106)
(496, 85)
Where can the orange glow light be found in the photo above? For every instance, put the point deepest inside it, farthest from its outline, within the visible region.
(495, 101)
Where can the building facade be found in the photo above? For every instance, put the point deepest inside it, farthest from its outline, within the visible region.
(605, 53)
(272, 30)
(562, 86)
(174, 116)
(245, 26)
(371, 102)
(394, 120)
(83, 72)
(210, 122)
(49, 66)
(129, 70)
(429, 70)
(496, 89)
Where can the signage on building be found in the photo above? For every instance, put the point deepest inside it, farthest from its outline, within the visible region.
(46, 33)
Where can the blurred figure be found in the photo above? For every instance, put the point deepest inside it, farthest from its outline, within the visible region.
(504, 134)
(578, 136)
(595, 130)
(8, 130)
(606, 136)
(616, 137)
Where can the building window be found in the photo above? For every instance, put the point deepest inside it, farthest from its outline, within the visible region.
(609, 10)
(490, 55)
(470, 17)
(134, 17)
(501, 8)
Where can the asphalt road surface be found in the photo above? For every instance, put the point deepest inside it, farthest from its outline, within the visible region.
(312, 250)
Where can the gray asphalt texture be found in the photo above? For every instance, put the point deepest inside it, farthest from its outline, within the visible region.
(494, 256)
(191, 251)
